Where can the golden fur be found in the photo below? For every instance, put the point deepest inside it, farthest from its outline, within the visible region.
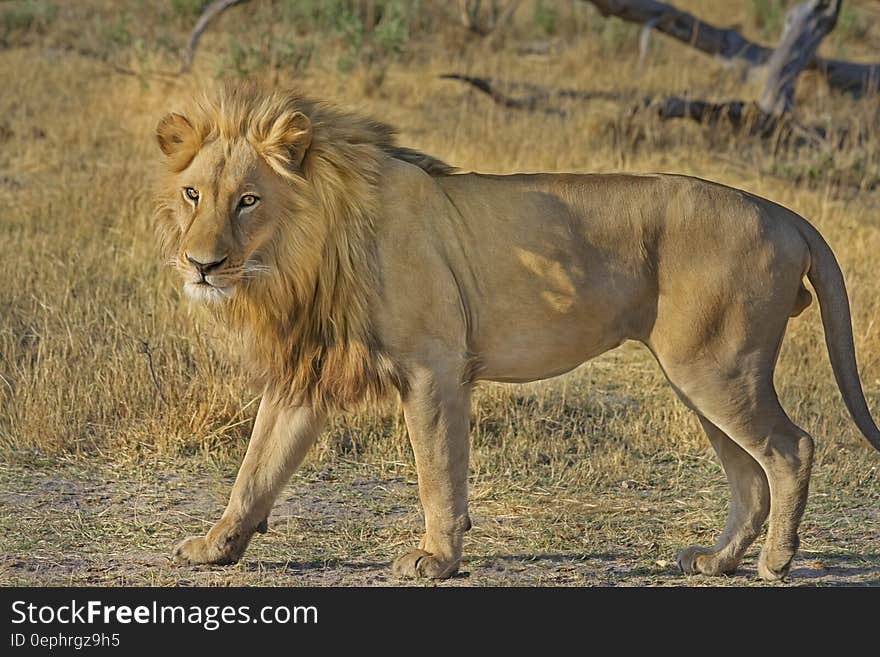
(307, 324)
(355, 267)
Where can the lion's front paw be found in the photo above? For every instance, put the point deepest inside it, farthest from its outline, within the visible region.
(697, 560)
(418, 563)
(195, 550)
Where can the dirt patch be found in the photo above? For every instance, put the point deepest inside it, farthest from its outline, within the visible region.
(337, 527)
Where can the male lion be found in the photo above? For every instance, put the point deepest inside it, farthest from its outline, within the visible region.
(354, 267)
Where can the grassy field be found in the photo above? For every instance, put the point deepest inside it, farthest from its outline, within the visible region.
(123, 413)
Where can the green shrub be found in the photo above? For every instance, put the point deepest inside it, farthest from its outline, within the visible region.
(544, 16)
(115, 33)
(187, 8)
(392, 30)
(25, 15)
(769, 16)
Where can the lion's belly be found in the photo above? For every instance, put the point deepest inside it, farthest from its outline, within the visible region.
(543, 347)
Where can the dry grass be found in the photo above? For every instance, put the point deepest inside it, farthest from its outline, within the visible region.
(123, 413)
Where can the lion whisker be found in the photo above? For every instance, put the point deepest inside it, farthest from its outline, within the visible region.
(252, 266)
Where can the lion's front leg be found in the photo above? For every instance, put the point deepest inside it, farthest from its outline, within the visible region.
(437, 411)
(281, 438)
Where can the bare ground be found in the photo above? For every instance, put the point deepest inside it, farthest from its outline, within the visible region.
(101, 525)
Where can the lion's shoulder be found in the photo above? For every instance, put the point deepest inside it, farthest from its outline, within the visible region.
(406, 184)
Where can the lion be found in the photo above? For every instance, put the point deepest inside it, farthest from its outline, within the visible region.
(355, 268)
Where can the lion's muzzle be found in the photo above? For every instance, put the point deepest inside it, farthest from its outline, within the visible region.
(204, 268)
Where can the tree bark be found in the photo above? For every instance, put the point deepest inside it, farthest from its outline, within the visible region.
(806, 25)
(730, 45)
(726, 43)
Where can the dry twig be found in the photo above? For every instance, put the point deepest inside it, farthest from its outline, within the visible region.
(210, 12)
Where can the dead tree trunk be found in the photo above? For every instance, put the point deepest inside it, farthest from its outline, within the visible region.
(732, 46)
(806, 25)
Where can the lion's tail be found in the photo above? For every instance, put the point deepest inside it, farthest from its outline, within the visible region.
(827, 280)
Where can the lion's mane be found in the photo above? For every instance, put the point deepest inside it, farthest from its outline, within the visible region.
(307, 322)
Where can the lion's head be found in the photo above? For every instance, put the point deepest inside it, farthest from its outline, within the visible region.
(235, 201)
(225, 205)
(266, 208)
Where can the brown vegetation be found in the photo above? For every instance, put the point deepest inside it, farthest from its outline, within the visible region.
(112, 389)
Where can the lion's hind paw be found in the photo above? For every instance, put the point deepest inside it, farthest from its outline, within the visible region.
(418, 563)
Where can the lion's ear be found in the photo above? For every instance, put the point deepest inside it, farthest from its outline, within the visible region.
(174, 132)
(288, 139)
(177, 138)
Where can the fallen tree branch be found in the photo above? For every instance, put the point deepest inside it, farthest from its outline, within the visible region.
(530, 103)
(701, 111)
(726, 43)
(537, 94)
(210, 12)
(740, 115)
(670, 107)
(730, 45)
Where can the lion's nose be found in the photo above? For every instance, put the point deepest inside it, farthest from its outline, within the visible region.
(204, 267)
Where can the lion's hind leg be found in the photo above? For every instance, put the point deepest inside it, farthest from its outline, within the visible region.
(749, 506)
(738, 398)
(717, 336)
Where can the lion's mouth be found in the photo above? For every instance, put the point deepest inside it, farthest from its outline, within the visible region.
(207, 292)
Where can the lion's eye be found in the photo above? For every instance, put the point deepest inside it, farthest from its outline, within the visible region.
(248, 200)
(191, 193)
